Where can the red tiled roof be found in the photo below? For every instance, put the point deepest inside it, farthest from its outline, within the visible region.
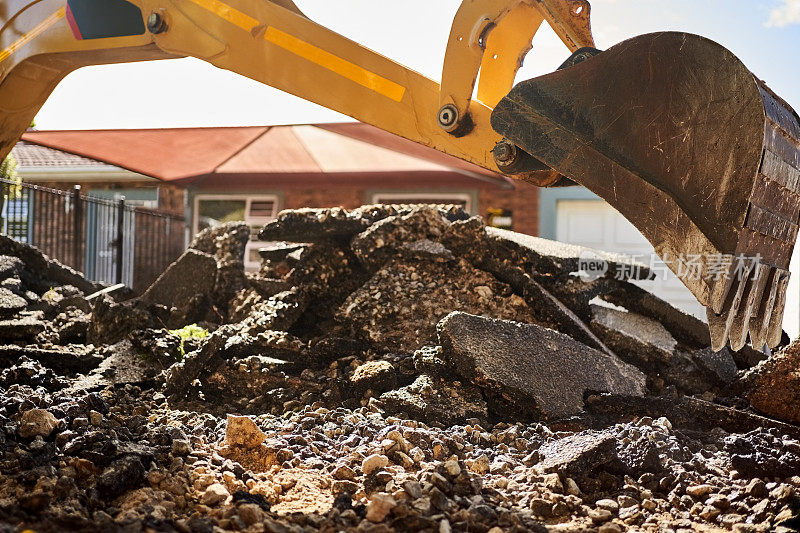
(33, 155)
(186, 154)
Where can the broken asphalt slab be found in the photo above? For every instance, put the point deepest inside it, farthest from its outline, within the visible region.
(539, 370)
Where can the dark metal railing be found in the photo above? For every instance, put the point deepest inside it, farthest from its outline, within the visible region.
(107, 240)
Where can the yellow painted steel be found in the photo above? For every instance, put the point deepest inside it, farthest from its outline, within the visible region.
(271, 41)
(506, 47)
(336, 64)
(234, 16)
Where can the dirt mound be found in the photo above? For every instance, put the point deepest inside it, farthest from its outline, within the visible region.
(387, 368)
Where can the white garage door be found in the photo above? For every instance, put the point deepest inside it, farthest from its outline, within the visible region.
(596, 224)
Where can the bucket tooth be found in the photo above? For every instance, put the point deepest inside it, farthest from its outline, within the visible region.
(775, 330)
(755, 303)
(741, 321)
(759, 324)
(721, 326)
(678, 135)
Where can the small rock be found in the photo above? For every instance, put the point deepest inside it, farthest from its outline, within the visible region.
(181, 447)
(699, 491)
(250, 513)
(572, 487)
(480, 465)
(344, 472)
(599, 516)
(37, 422)
(214, 494)
(553, 483)
(756, 488)
(380, 506)
(241, 431)
(608, 505)
(452, 468)
(95, 418)
(374, 463)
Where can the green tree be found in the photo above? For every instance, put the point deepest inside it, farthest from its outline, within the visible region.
(8, 169)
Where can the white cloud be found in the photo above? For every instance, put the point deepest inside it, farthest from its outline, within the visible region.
(785, 14)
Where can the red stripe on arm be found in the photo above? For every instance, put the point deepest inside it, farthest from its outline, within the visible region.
(76, 31)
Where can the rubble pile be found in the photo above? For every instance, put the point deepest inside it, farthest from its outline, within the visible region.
(388, 368)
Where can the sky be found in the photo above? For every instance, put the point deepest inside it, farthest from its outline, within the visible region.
(765, 34)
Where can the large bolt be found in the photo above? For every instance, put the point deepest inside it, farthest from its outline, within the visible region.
(156, 23)
(505, 153)
(447, 117)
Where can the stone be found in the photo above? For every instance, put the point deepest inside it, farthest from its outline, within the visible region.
(181, 447)
(185, 285)
(124, 474)
(600, 516)
(699, 491)
(215, 494)
(48, 272)
(434, 400)
(608, 504)
(756, 488)
(373, 463)
(552, 257)
(383, 239)
(37, 422)
(10, 303)
(539, 370)
(427, 250)
(632, 332)
(720, 366)
(25, 327)
(379, 507)
(578, 455)
(241, 431)
(452, 468)
(377, 376)
(250, 513)
(344, 472)
(609, 527)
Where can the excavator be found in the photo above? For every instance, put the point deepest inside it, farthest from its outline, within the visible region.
(669, 128)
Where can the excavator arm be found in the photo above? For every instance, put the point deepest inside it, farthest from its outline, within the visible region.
(274, 43)
(638, 124)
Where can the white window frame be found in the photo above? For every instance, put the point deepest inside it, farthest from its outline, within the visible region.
(250, 221)
(392, 197)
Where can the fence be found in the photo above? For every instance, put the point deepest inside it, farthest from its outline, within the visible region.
(107, 240)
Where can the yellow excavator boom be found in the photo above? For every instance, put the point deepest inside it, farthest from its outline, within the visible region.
(639, 128)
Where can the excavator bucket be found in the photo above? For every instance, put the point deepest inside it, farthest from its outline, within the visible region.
(681, 138)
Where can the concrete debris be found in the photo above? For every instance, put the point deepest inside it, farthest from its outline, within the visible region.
(387, 368)
(539, 371)
(553, 258)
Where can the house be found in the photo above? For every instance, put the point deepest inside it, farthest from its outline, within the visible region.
(251, 173)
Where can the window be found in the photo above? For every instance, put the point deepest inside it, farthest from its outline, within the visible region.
(456, 198)
(214, 210)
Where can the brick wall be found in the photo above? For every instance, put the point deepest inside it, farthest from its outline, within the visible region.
(523, 202)
(170, 197)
